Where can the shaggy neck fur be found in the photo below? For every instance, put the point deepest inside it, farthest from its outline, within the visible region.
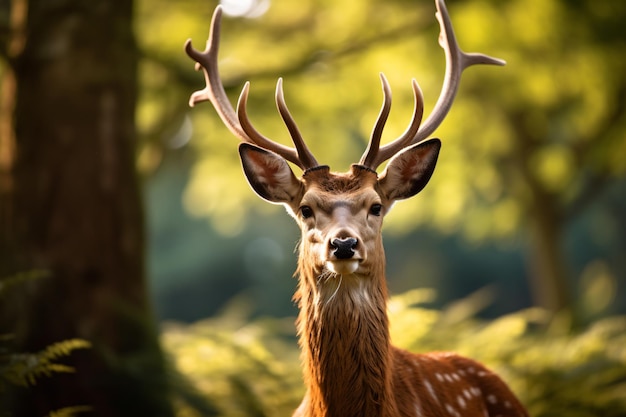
(344, 337)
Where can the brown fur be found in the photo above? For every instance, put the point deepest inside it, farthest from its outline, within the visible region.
(350, 367)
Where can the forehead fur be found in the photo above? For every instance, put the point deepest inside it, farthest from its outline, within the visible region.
(334, 182)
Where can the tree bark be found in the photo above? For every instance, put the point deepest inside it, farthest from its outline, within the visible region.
(74, 209)
(548, 267)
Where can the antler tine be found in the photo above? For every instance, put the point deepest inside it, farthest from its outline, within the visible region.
(392, 148)
(395, 146)
(456, 62)
(286, 152)
(373, 147)
(304, 154)
(214, 90)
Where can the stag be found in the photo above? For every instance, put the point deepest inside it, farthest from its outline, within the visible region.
(350, 367)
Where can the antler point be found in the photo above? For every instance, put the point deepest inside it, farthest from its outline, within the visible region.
(217, 13)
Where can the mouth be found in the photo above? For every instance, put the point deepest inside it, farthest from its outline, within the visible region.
(343, 266)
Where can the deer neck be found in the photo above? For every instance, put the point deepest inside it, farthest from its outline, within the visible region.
(344, 336)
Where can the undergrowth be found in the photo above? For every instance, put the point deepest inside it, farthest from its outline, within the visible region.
(252, 368)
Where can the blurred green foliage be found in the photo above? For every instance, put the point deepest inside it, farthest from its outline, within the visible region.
(252, 368)
(242, 367)
(532, 152)
(560, 94)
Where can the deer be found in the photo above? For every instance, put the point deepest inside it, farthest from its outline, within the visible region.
(350, 367)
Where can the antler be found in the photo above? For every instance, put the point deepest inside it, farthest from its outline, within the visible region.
(238, 122)
(374, 155)
(456, 62)
(240, 125)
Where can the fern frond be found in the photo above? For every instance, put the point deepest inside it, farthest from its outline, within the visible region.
(46, 369)
(63, 348)
(25, 368)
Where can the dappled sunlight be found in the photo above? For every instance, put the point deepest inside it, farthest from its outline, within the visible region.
(506, 217)
(554, 167)
(534, 22)
(407, 321)
(598, 286)
(245, 8)
(449, 202)
(332, 88)
(213, 196)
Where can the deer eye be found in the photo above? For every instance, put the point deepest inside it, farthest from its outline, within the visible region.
(306, 212)
(376, 209)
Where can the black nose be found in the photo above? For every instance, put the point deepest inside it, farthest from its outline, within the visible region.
(344, 247)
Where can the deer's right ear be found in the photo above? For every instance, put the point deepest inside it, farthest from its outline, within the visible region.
(269, 175)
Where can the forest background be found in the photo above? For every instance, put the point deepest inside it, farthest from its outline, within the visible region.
(125, 214)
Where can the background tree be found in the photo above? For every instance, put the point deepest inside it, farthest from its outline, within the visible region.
(71, 206)
(558, 118)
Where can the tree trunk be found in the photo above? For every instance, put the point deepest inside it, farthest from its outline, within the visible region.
(73, 208)
(549, 277)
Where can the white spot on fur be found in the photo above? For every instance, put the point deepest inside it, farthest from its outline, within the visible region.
(452, 411)
(461, 401)
(431, 390)
(439, 377)
(467, 394)
(492, 399)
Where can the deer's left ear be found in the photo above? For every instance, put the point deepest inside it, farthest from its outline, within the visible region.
(409, 171)
(269, 174)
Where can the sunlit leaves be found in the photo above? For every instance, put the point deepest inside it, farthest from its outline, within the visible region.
(215, 196)
(243, 368)
(553, 165)
(555, 97)
(598, 286)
